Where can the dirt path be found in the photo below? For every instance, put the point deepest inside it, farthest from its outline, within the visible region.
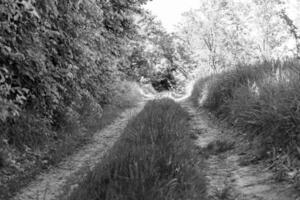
(225, 174)
(60, 181)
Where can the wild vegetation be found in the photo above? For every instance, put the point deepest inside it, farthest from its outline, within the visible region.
(221, 34)
(60, 79)
(261, 100)
(153, 159)
(249, 75)
(159, 57)
(70, 67)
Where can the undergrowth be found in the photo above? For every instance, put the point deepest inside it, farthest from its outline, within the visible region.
(31, 146)
(262, 100)
(153, 159)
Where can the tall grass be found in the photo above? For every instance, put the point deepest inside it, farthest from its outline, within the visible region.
(152, 160)
(262, 100)
(221, 87)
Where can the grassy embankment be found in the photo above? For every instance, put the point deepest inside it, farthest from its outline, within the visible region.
(153, 159)
(263, 101)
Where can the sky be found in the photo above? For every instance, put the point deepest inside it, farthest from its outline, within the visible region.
(169, 11)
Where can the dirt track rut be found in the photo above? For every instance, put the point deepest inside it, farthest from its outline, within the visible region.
(62, 180)
(224, 172)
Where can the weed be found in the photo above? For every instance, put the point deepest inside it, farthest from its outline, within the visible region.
(28, 129)
(261, 103)
(152, 160)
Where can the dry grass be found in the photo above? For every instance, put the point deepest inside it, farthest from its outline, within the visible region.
(152, 160)
(263, 102)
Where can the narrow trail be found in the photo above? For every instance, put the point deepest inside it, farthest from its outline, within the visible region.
(224, 171)
(60, 181)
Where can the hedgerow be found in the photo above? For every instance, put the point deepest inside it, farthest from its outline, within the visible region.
(59, 76)
(59, 60)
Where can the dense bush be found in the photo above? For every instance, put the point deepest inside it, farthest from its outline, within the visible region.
(262, 100)
(152, 160)
(59, 61)
(60, 71)
(222, 86)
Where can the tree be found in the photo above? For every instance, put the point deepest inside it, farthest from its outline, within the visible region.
(223, 33)
(58, 56)
(156, 54)
(293, 30)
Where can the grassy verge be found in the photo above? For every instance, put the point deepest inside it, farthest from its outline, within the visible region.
(264, 101)
(19, 166)
(35, 163)
(153, 159)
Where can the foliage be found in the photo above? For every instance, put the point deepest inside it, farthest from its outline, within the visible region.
(28, 130)
(127, 94)
(157, 55)
(60, 62)
(224, 33)
(223, 86)
(59, 59)
(263, 101)
(152, 160)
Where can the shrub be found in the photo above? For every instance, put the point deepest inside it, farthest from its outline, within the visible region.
(89, 110)
(126, 94)
(274, 113)
(27, 130)
(152, 160)
(65, 51)
(222, 86)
